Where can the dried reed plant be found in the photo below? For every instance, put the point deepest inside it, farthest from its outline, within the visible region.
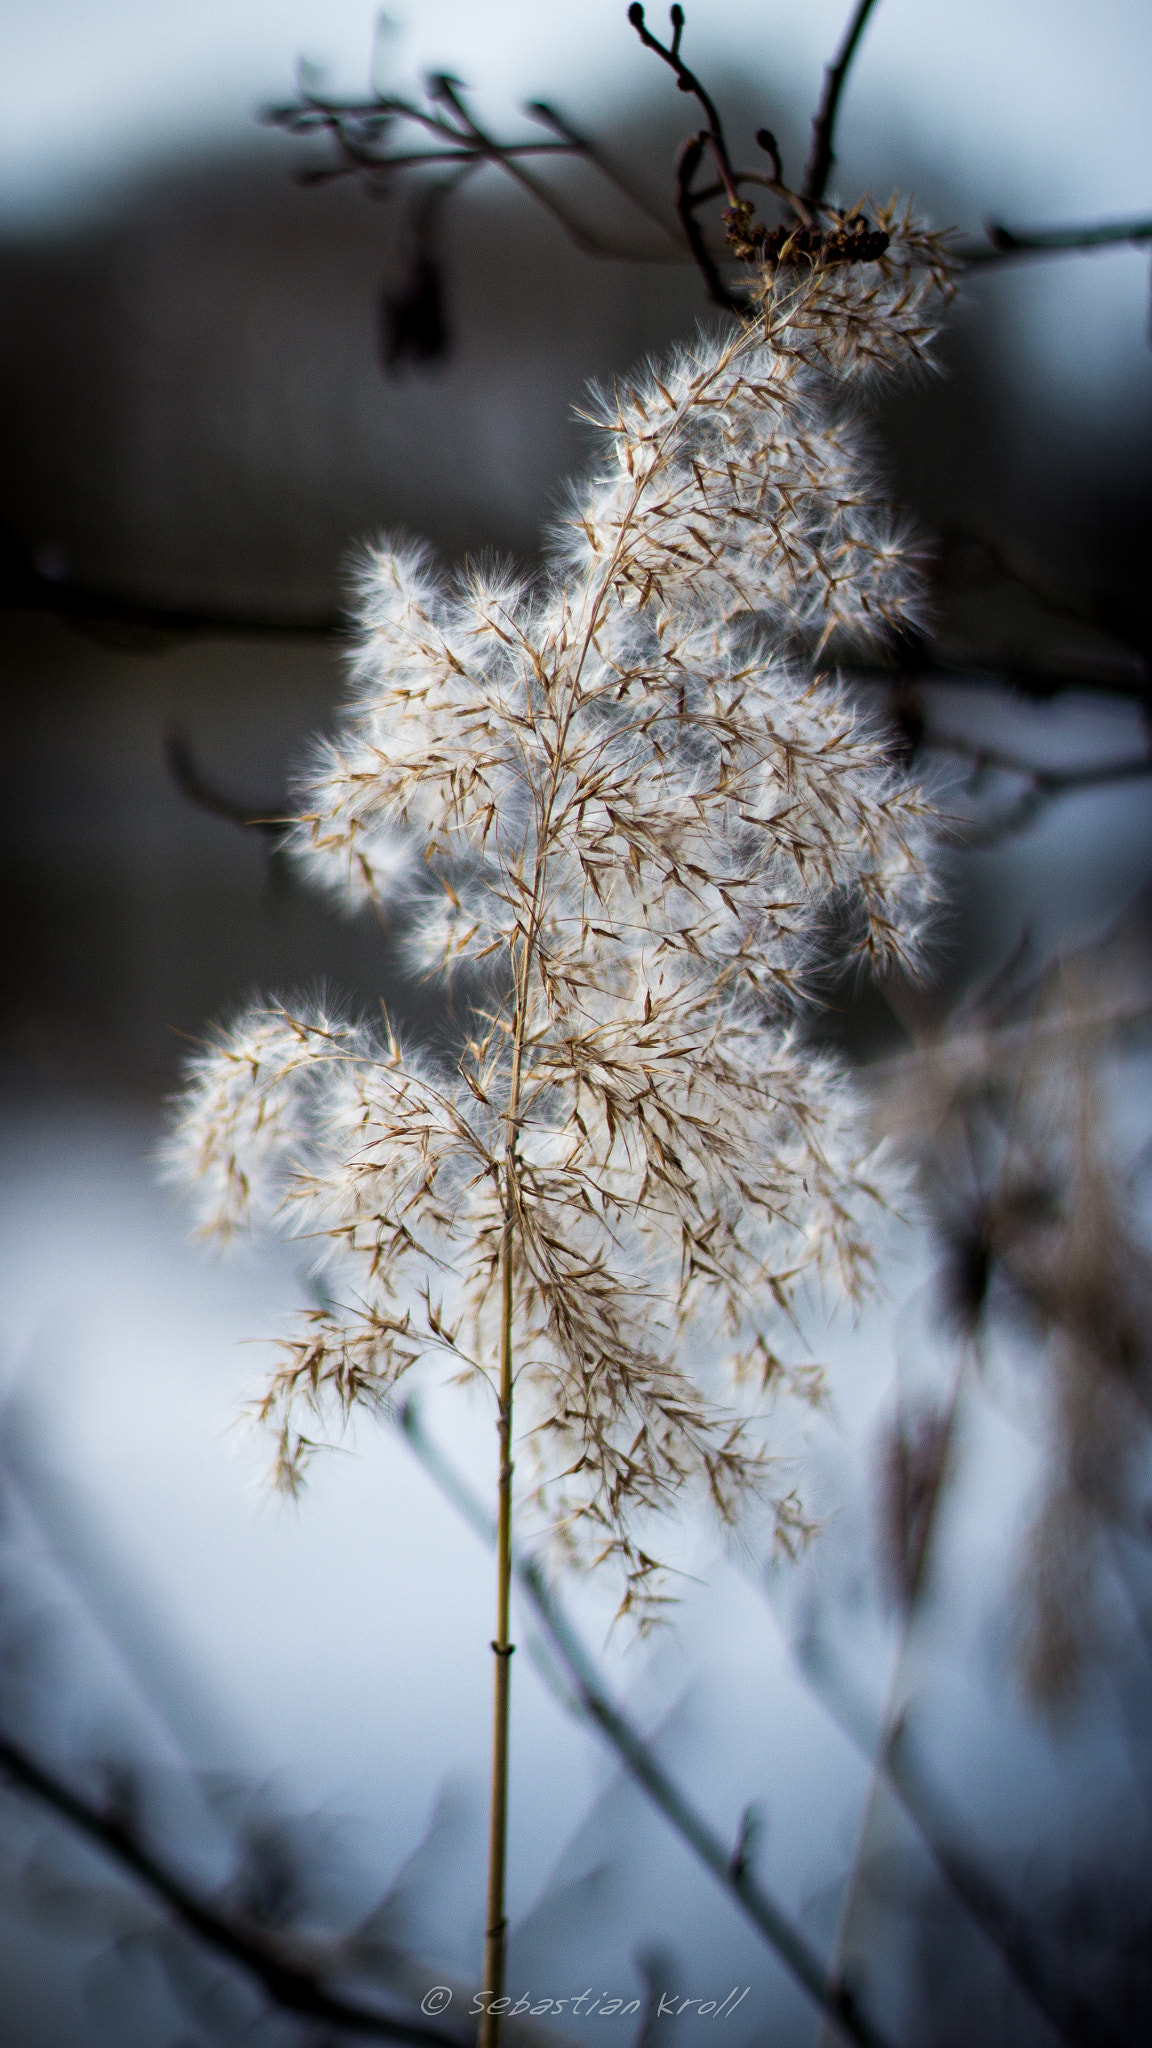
(623, 803)
(1022, 1179)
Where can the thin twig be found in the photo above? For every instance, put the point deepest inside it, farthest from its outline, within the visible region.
(592, 1700)
(361, 132)
(1007, 244)
(448, 90)
(1009, 1932)
(543, 110)
(936, 1482)
(185, 773)
(288, 1982)
(1074, 2017)
(691, 155)
(1044, 784)
(822, 157)
(687, 165)
(688, 82)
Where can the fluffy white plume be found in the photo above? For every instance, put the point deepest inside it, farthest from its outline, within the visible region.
(629, 795)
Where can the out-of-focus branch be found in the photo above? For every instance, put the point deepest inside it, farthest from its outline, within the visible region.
(1075, 2018)
(147, 625)
(1015, 1938)
(961, 550)
(1043, 784)
(822, 157)
(593, 153)
(287, 1979)
(189, 780)
(447, 90)
(363, 135)
(920, 661)
(1005, 244)
(591, 1699)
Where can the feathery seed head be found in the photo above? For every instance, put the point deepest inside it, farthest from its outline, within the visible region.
(631, 800)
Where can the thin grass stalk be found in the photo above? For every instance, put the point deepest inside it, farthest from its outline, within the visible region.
(893, 1710)
(588, 1696)
(496, 1925)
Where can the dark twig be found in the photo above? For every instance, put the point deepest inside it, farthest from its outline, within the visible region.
(287, 1981)
(691, 155)
(206, 796)
(730, 1867)
(822, 156)
(688, 82)
(1103, 613)
(1044, 784)
(447, 90)
(363, 134)
(582, 145)
(1005, 244)
(1014, 1937)
(687, 165)
(146, 625)
(802, 240)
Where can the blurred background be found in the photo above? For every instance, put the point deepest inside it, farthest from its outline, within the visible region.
(218, 380)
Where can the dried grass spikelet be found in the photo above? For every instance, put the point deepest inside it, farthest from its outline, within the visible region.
(625, 802)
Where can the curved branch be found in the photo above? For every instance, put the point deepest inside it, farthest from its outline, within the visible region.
(185, 772)
(288, 1982)
(689, 83)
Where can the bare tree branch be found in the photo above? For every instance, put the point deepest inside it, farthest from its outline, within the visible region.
(1015, 1938)
(1007, 244)
(822, 158)
(271, 1963)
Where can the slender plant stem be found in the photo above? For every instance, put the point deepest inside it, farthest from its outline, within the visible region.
(893, 1709)
(495, 1942)
(590, 1698)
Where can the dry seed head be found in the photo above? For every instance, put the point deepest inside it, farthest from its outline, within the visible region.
(628, 798)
